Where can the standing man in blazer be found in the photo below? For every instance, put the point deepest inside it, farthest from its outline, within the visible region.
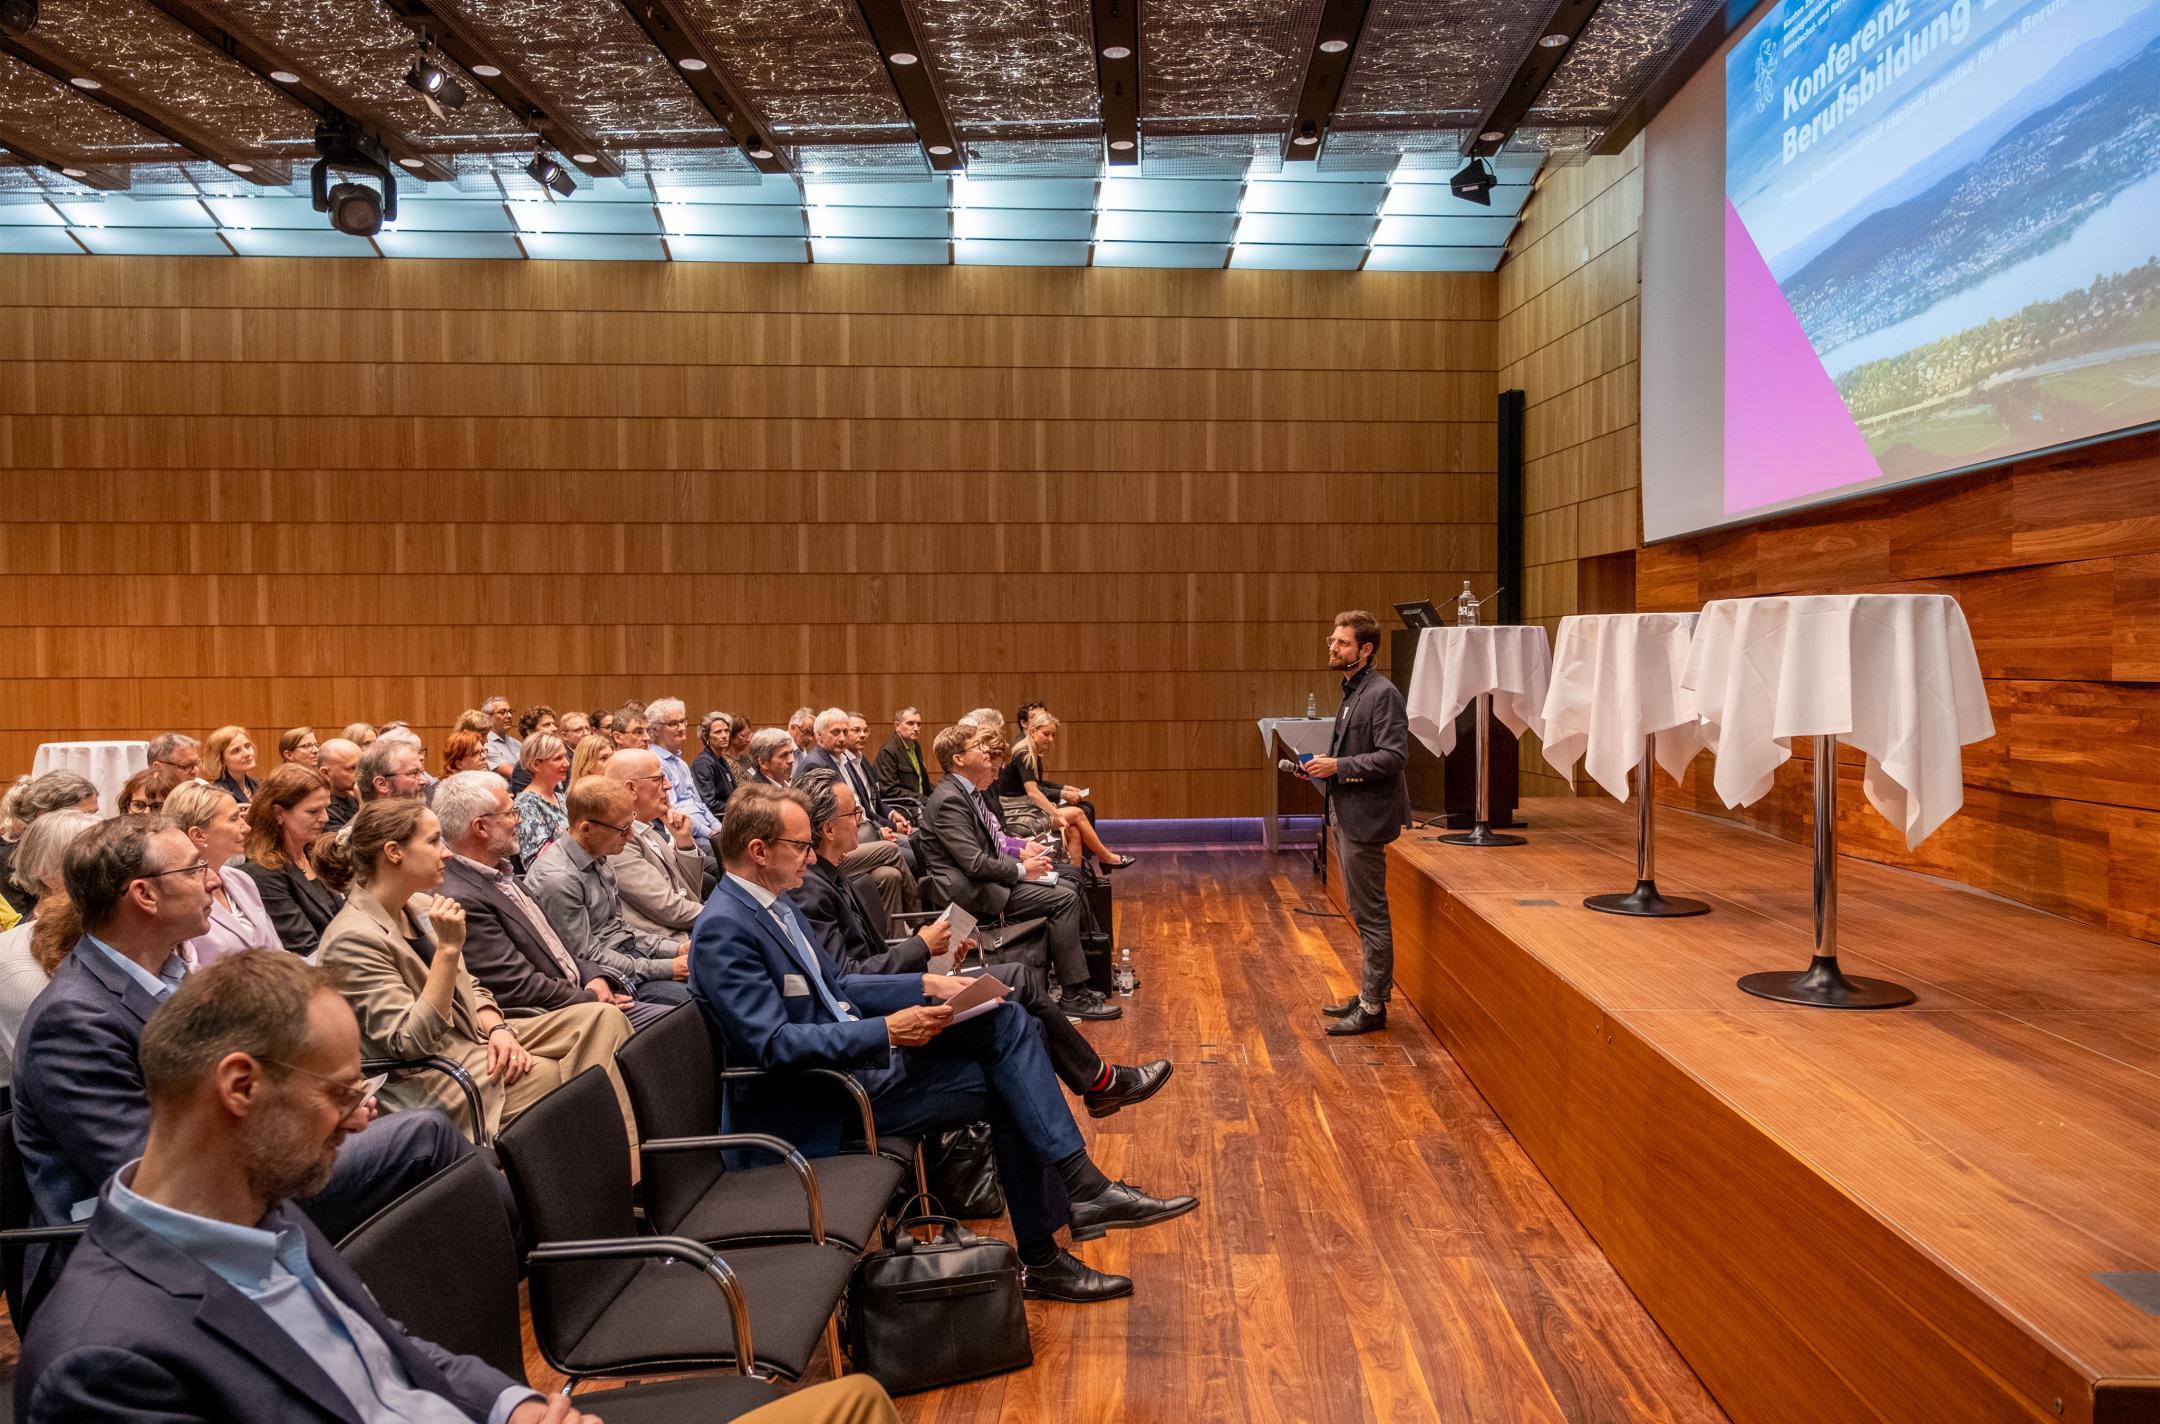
(1368, 800)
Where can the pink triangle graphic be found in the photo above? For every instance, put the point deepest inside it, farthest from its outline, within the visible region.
(1787, 432)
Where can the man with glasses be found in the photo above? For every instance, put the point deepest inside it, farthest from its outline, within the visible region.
(668, 724)
(576, 889)
(142, 891)
(502, 745)
(658, 873)
(178, 753)
(391, 768)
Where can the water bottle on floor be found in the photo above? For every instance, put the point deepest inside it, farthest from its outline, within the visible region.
(1124, 977)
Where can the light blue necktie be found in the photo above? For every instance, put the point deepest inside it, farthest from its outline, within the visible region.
(801, 945)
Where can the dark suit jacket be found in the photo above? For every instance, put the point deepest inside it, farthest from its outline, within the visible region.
(138, 1331)
(740, 968)
(342, 809)
(896, 775)
(1369, 796)
(816, 759)
(847, 927)
(959, 854)
(714, 779)
(504, 954)
(300, 908)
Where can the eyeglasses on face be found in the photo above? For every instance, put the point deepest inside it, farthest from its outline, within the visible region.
(345, 1096)
(200, 870)
(805, 846)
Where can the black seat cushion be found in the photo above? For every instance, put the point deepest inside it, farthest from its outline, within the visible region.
(671, 1312)
(712, 1399)
(767, 1204)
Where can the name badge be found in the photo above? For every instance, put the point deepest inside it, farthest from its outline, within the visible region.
(794, 986)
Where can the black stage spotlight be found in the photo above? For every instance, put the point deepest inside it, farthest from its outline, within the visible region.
(550, 175)
(18, 17)
(353, 207)
(435, 84)
(1474, 184)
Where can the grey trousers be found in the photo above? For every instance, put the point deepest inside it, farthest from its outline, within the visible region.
(1364, 873)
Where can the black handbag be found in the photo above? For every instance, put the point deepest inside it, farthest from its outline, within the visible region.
(921, 1314)
(962, 1172)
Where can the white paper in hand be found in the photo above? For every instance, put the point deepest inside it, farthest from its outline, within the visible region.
(963, 927)
(979, 997)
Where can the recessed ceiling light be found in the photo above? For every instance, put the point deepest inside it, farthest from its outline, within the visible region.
(1121, 144)
(412, 162)
(241, 167)
(1334, 46)
(693, 64)
(1491, 136)
(284, 76)
(487, 71)
(1305, 140)
(1551, 41)
(84, 82)
(583, 158)
(760, 151)
(941, 149)
(1116, 52)
(73, 173)
(901, 56)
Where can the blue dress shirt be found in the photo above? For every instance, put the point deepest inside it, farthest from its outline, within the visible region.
(683, 794)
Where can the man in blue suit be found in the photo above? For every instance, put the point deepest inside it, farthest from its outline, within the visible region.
(141, 891)
(780, 1004)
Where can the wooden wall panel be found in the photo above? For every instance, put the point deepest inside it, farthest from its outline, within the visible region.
(273, 492)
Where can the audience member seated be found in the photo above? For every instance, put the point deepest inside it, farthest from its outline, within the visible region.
(217, 828)
(339, 764)
(572, 726)
(545, 764)
(669, 725)
(531, 720)
(877, 860)
(590, 757)
(828, 736)
(1033, 803)
(298, 746)
(772, 757)
(291, 810)
(576, 889)
(658, 872)
(137, 891)
(19, 810)
(712, 773)
(802, 728)
(178, 753)
(397, 954)
(144, 793)
(846, 930)
(891, 822)
(510, 947)
(603, 725)
(360, 734)
(390, 768)
(464, 751)
(963, 854)
(228, 761)
(633, 732)
(779, 1004)
(502, 743)
(199, 1291)
(31, 949)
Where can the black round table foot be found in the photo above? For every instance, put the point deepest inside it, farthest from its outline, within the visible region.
(1482, 834)
(1645, 902)
(1822, 985)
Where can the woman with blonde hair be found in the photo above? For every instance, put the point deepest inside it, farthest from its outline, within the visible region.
(217, 826)
(541, 816)
(228, 758)
(1033, 803)
(30, 951)
(591, 758)
(359, 734)
(397, 954)
(299, 747)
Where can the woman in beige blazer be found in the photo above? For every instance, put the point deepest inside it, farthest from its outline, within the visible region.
(397, 953)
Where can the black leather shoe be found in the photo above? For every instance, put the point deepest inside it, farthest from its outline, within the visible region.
(1071, 1279)
(1358, 1020)
(1119, 862)
(1122, 1208)
(1129, 1086)
(1081, 1002)
(1341, 1010)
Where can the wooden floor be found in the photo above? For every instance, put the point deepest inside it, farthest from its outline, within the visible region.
(1895, 1216)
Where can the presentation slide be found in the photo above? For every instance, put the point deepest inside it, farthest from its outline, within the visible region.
(1941, 240)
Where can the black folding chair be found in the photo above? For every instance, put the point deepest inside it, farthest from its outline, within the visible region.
(687, 1187)
(16, 1232)
(439, 1261)
(606, 1301)
(435, 1063)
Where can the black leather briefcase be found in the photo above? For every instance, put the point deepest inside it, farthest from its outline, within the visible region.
(921, 1314)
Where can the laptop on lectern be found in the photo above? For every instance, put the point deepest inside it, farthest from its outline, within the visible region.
(1420, 614)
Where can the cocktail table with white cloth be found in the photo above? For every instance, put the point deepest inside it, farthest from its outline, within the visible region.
(108, 765)
(1616, 700)
(1896, 675)
(1308, 736)
(1505, 668)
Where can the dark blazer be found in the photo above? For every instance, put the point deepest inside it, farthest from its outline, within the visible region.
(1369, 796)
(847, 927)
(740, 968)
(504, 954)
(138, 1331)
(960, 855)
(300, 908)
(242, 789)
(342, 809)
(714, 779)
(896, 774)
(816, 759)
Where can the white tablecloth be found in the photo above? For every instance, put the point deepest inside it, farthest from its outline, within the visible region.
(108, 765)
(1511, 661)
(1309, 735)
(1616, 680)
(1893, 674)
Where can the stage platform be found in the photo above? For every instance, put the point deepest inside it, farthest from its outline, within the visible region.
(1900, 1216)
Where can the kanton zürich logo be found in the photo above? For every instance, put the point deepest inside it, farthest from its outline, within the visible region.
(1765, 74)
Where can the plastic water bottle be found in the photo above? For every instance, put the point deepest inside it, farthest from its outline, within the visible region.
(1124, 978)
(1312, 707)
(1466, 607)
